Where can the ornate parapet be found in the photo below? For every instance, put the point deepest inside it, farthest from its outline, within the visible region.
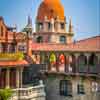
(29, 93)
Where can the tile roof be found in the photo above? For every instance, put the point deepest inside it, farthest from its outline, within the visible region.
(89, 45)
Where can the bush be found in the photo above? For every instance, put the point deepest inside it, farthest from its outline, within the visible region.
(5, 94)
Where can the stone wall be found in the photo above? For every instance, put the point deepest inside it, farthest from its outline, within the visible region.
(52, 89)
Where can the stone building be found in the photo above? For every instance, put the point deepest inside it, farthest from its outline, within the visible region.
(71, 69)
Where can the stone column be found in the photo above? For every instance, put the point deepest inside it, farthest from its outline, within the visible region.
(76, 62)
(7, 78)
(17, 77)
(21, 77)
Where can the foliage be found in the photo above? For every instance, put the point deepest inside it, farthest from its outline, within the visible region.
(5, 94)
(11, 56)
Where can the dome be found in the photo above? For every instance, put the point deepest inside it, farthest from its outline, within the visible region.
(51, 9)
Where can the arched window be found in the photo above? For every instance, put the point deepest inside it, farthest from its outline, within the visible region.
(39, 39)
(62, 39)
(1, 30)
(61, 59)
(82, 60)
(93, 59)
(62, 26)
(40, 26)
(61, 63)
(52, 61)
(52, 58)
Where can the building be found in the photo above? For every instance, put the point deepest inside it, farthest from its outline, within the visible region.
(69, 69)
(14, 57)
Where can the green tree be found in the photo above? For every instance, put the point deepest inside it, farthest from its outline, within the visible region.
(5, 94)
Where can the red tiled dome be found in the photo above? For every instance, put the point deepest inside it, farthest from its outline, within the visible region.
(51, 9)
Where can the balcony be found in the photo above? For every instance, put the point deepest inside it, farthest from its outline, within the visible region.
(29, 93)
(82, 70)
(11, 56)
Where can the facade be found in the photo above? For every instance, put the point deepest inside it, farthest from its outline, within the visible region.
(69, 69)
(14, 58)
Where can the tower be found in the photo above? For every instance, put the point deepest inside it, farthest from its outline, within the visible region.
(28, 28)
(51, 23)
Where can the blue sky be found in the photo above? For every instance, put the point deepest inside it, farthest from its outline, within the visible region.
(85, 14)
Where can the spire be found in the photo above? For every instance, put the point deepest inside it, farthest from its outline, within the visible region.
(70, 26)
(29, 21)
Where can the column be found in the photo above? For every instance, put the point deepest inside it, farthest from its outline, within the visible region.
(76, 62)
(87, 56)
(7, 78)
(17, 77)
(21, 77)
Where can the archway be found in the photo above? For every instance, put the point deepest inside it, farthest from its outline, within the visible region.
(61, 62)
(52, 61)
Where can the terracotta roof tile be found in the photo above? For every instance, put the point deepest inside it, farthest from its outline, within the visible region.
(90, 44)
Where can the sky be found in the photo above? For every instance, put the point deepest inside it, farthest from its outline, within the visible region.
(85, 14)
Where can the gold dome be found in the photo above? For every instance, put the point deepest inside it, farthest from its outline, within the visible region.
(51, 9)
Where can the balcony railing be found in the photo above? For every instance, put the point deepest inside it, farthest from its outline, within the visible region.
(81, 69)
(29, 92)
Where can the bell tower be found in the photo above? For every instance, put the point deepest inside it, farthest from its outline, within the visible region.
(51, 23)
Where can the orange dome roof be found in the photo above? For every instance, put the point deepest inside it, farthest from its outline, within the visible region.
(51, 9)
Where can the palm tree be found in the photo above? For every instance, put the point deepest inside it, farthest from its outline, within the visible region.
(5, 94)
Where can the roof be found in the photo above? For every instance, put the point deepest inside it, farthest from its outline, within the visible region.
(51, 9)
(13, 63)
(87, 45)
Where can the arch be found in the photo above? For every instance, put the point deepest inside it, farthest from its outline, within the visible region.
(52, 58)
(82, 60)
(62, 39)
(62, 59)
(61, 62)
(93, 59)
(39, 39)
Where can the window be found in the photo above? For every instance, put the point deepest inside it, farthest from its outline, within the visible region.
(93, 60)
(80, 88)
(40, 26)
(82, 60)
(62, 39)
(1, 31)
(22, 48)
(0, 47)
(39, 39)
(11, 48)
(62, 26)
(65, 88)
(49, 25)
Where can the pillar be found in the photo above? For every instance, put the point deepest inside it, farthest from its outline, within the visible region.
(21, 77)
(76, 62)
(7, 78)
(17, 77)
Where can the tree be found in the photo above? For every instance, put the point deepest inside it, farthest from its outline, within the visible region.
(5, 94)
